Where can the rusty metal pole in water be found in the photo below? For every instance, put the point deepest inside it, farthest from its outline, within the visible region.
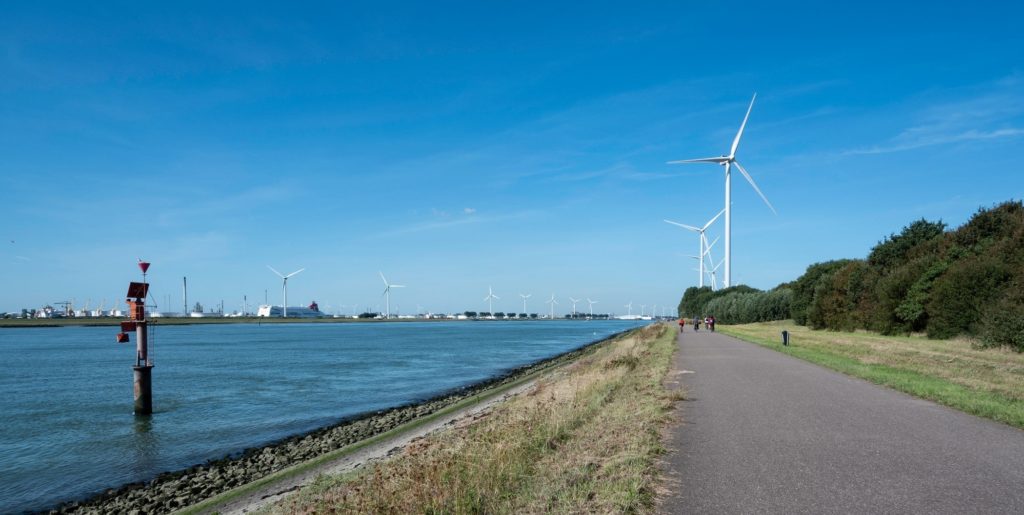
(143, 368)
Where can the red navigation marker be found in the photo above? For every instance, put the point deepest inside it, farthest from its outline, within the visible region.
(143, 265)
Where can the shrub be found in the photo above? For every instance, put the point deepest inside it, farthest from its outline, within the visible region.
(1003, 323)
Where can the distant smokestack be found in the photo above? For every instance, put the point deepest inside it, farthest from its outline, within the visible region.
(184, 295)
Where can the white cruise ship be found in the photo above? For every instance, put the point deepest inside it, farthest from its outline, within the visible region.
(313, 311)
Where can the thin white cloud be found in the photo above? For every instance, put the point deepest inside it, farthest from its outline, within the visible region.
(994, 113)
(938, 139)
(457, 222)
(469, 210)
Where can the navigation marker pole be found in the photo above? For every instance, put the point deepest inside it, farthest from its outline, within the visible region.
(143, 368)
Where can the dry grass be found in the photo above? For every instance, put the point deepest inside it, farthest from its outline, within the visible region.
(585, 439)
(914, 364)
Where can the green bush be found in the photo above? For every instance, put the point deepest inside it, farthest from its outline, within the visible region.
(1003, 323)
(924, 279)
(964, 281)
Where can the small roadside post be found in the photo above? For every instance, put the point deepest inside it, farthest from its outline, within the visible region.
(785, 338)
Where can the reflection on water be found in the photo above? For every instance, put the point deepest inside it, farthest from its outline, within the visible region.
(143, 446)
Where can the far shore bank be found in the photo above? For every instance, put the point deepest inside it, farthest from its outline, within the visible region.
(114, 322)
(175, 490)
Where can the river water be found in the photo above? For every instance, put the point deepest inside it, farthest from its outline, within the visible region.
(68, 430)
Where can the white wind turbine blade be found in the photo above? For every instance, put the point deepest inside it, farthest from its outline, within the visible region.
(495, 296)
(275, 271)
(758, 190)
(396, 286)
(707, 250)
(720, 159)
(684, 226)
(720, 213)
(293, 273)
(382, 278)
(736, 142)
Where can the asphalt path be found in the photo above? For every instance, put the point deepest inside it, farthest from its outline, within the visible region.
(762, 432)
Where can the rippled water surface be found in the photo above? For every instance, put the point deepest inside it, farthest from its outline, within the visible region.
(68, 428)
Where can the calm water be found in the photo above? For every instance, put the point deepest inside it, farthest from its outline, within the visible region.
(66, 393)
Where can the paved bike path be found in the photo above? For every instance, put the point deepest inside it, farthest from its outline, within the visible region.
(763, 432)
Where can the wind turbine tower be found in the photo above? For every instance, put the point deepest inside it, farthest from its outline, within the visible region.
(284, 278)
(591, 302)
(489, 298)
(387, 293)
(524, 300)
(574, 301)
(552, 302)
(629, 307)
(728, 162)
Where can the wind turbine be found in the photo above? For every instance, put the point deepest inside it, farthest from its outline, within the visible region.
(490, 296)
(643, 307)
(387, 293)
(552, 302)
(524, 300)
(630, 308)
(703, 240)
(591, 302)
(574, 301)
(284, 313)
(714, 282)
(728, 162)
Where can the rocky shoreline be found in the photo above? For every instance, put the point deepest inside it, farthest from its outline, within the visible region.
(171, 491)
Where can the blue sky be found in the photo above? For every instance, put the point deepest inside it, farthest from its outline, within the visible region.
(460, 145)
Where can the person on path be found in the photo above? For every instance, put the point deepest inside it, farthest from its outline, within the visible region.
(696, 324)
(711, 323)
(682, 322)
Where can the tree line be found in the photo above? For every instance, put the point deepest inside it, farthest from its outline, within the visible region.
(925, 279)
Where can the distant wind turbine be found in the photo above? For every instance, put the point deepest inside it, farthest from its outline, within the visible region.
(728, 162)
(524, 300)
(702, 237)
(714, 281)
(490, 297)
(387, 293)
(630, 308)
(552, 302)
(591, 302)
(574, 301)
(284, 278)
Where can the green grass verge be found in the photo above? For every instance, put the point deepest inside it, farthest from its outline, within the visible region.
(833, 350)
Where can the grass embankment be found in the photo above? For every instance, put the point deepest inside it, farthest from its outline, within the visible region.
(984, 382)
(585, 439)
